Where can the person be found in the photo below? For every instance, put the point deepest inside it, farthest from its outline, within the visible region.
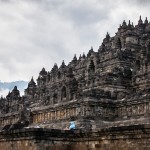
(72, 125)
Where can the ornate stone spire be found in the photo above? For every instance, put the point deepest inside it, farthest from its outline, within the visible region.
(106, 39)
(129, 25)
(124, 24)
(107, 36)
(80, 57)
(55, 68)
(63, 63)
(90, 51)
(146, 21)
(140, 21)
(32, 83)
(15, 91)
(32, 80)
(83, 56)
(75, 58)
(43, 72)
(15, 88)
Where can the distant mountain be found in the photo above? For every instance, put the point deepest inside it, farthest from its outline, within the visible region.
(5, 87)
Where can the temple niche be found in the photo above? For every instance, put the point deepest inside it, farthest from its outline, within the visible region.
(63, 93)
(55, 98)
(103, 88)
(91, 68)
(137, 65)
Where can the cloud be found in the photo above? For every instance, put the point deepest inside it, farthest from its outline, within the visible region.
(142, 2)
(38, 33)
(4, 92)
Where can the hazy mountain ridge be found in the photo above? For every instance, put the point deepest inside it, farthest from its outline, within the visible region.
(5, 87)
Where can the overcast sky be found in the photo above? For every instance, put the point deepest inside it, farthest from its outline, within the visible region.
(38, 33)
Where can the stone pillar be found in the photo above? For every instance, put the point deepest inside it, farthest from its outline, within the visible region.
(147, 108)
(43, 116)
(46, 118)
(65, 113)
(55, 115)
(49, 116)
(34, 118)
(58, 115)
(62, 114)
(52, 115)
(38, 117)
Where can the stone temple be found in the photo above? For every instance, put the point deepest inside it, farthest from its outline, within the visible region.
(103, 89)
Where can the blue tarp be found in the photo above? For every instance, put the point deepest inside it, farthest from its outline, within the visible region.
(72, 125)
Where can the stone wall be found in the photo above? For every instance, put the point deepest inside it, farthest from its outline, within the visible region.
(9, 119)
(135, 137)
